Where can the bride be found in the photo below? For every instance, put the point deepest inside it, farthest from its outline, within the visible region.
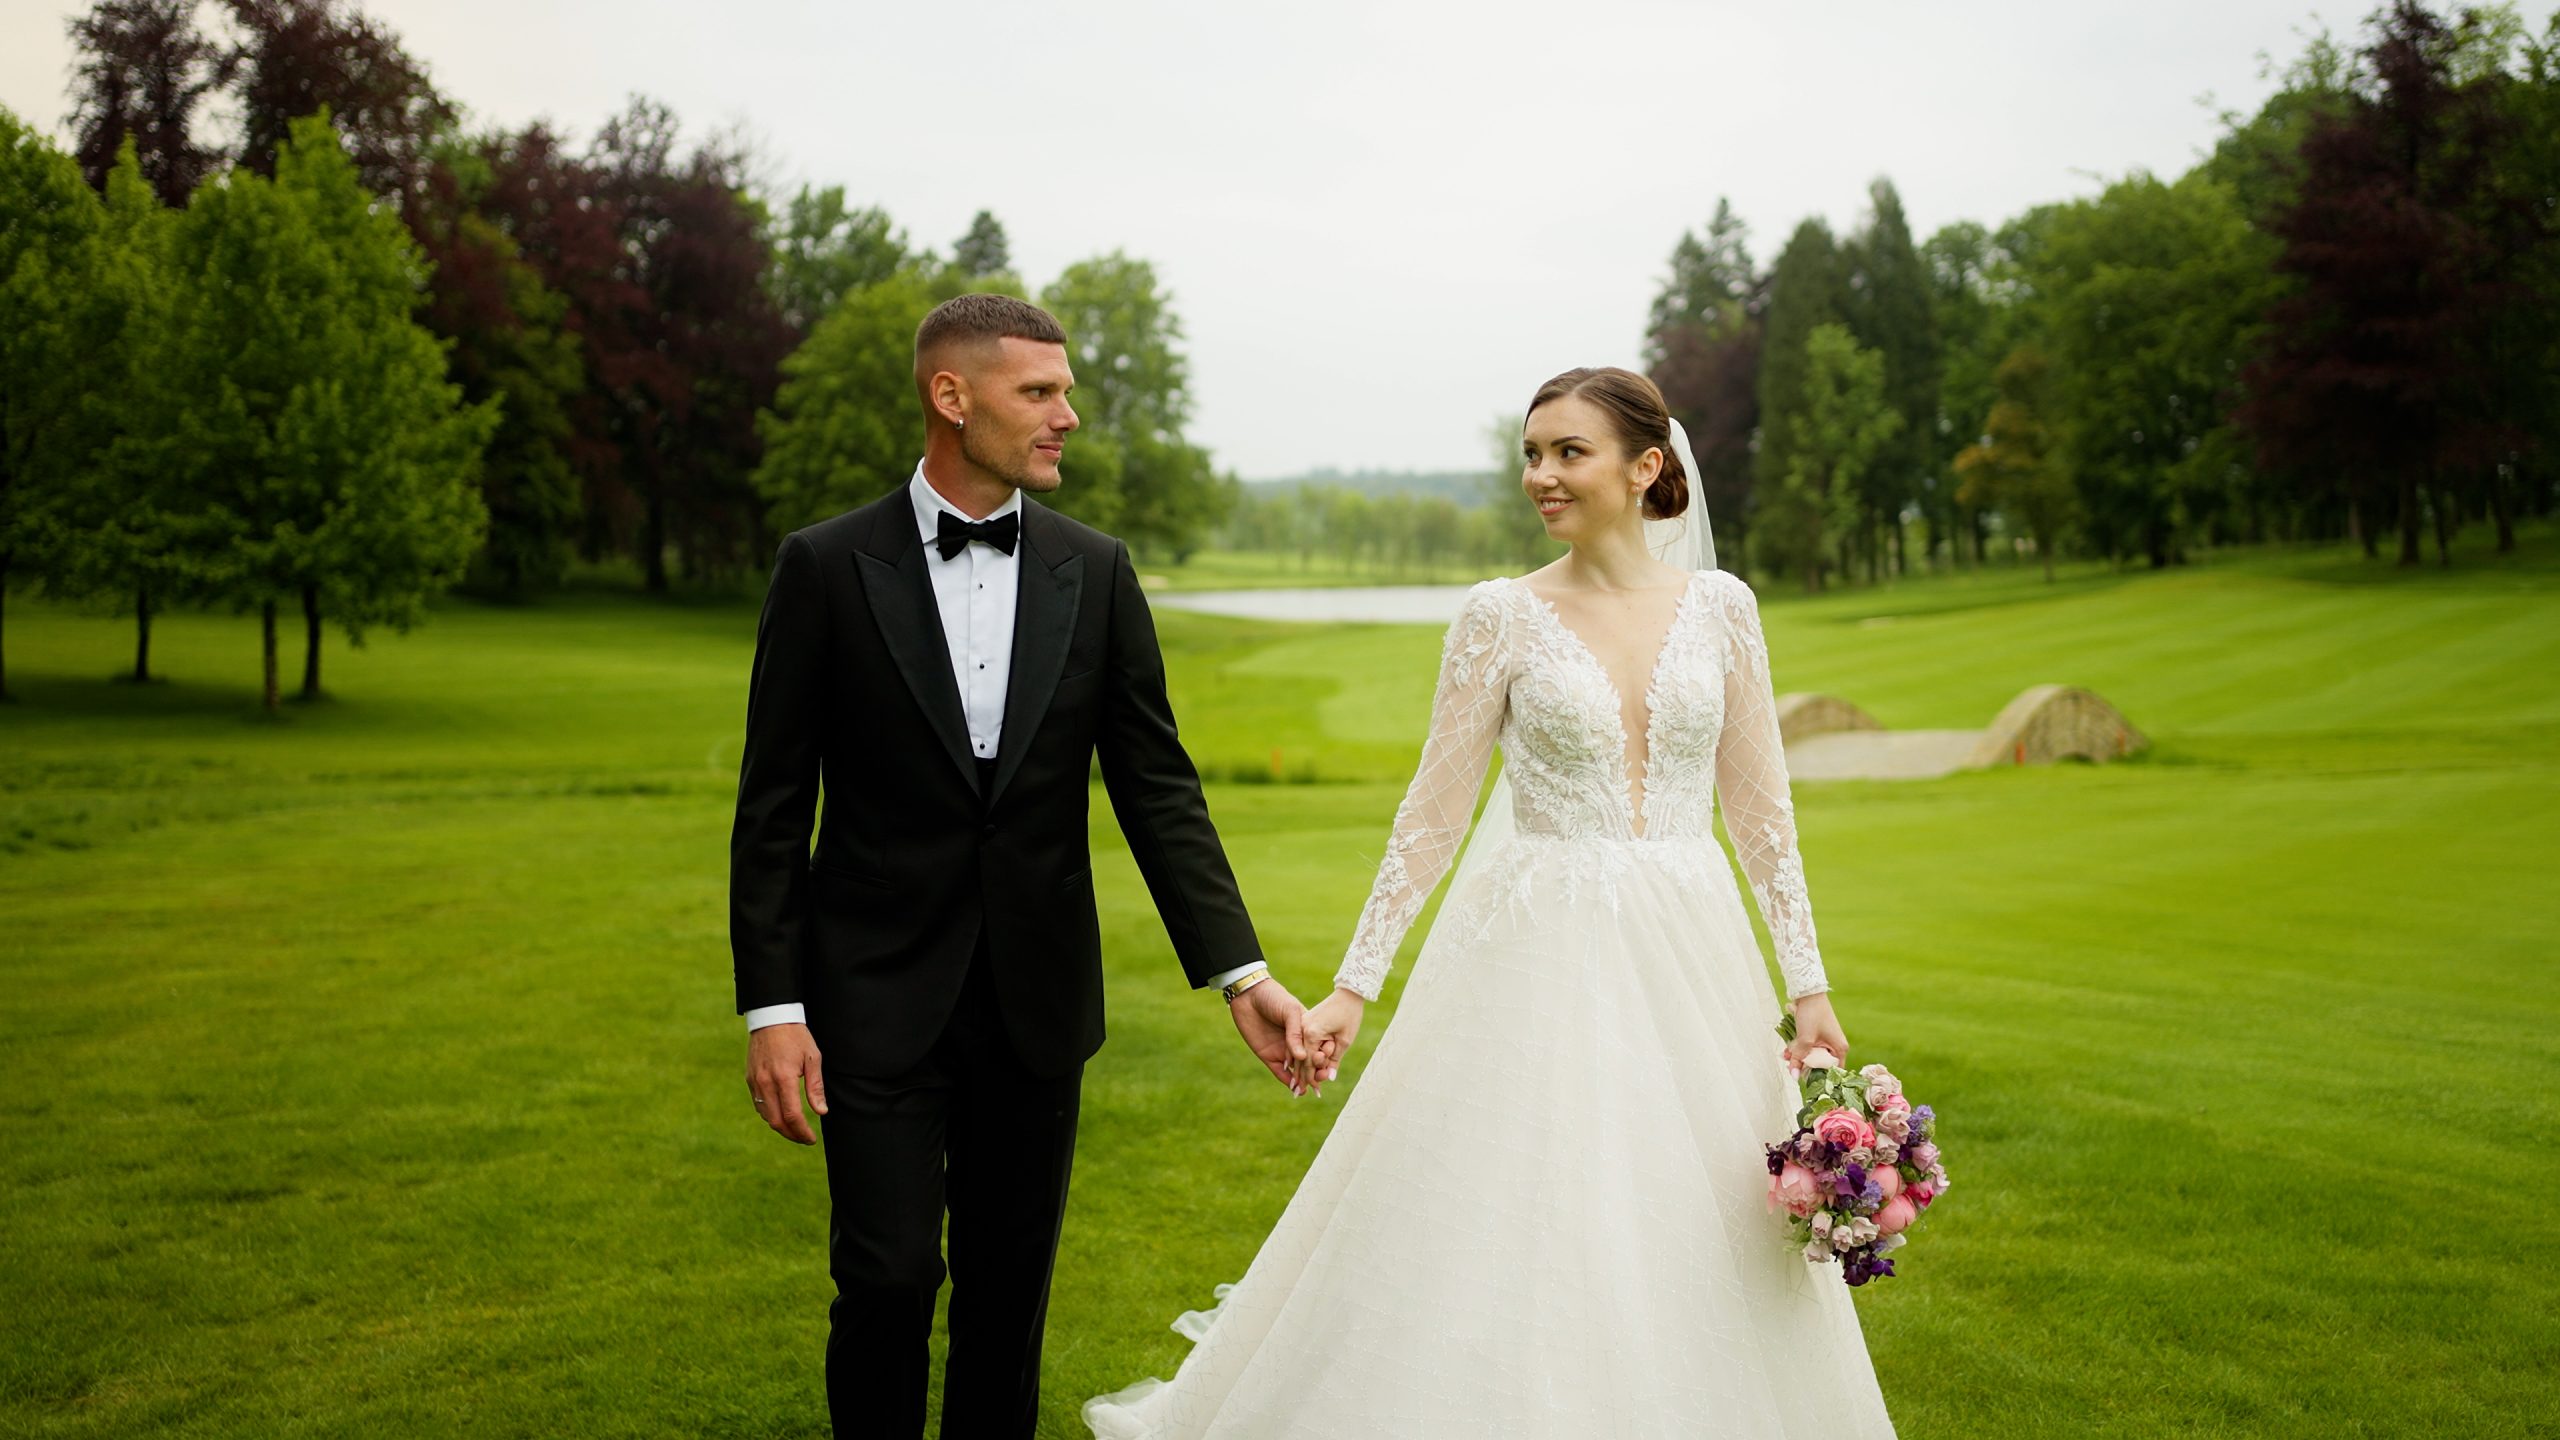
(1543, 1210)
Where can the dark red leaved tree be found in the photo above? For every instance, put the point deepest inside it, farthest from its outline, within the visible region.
(2368, 384)
(144, 70)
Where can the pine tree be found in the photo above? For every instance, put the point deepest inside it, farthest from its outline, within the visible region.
(1807, 289)
(983, 252)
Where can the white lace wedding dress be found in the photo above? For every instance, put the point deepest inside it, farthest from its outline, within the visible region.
(1542, 1211)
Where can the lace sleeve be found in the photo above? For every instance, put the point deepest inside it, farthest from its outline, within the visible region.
(1466, 716)
(1751, 790)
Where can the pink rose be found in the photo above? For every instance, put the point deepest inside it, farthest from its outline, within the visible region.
(1795, 1188)
(1921, 1193)
(1888, 1182)
(1897, 1214)
(1843, 1126)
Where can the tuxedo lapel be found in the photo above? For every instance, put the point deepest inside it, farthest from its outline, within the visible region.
(1044, 616)
(891, 563)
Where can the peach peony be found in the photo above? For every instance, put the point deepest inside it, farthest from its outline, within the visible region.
(1897, 1214)
(1888, 1182)
(1795, 1188)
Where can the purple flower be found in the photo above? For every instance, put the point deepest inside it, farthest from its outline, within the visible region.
(1863, 1264)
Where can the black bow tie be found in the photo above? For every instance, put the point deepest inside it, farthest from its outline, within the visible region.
(953, 534)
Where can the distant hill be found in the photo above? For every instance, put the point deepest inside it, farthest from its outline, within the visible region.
(1468, 488)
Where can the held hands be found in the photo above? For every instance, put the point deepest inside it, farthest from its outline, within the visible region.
(779, 1057)
(1816, 1029)
(1331, 1027)
(1270, 1019)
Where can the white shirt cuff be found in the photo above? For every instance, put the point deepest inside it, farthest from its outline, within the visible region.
(1225, 978)
(763, 1015)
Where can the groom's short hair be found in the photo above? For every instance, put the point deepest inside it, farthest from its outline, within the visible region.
(976, 320)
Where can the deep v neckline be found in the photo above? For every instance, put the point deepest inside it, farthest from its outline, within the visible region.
(1634, 795)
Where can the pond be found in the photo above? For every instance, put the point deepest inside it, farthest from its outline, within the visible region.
(1382, 604)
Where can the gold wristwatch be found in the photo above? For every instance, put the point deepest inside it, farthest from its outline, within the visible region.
(1234, 988)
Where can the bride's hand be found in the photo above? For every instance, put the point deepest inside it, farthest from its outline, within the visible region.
(1816, 1029)
(1330, 1028)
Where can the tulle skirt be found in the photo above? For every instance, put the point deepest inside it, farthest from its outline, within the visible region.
(1543, 1210)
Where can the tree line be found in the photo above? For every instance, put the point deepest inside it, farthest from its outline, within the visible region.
(2343, 323)
(350, 351)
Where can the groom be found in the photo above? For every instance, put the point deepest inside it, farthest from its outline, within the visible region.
(949, 660)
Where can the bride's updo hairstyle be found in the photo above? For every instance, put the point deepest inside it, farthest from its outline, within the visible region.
(1635, 409)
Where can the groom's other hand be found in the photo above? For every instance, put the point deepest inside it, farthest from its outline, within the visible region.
(779, 1057)
(1271, 1021)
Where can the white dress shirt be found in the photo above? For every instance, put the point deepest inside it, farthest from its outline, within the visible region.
(974, 591)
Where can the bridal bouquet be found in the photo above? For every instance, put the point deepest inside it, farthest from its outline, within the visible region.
(1860, 1168)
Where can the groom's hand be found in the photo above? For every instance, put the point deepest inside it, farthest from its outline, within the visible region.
(779, 1057)
(1270, 1019)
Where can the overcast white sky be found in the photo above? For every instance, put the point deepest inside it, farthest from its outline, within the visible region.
(1381, 223)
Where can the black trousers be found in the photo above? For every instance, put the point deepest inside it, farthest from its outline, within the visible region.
(971, 1132)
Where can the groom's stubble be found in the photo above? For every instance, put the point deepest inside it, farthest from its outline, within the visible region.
(1000, 461)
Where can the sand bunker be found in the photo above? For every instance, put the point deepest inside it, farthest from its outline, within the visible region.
(1828, 738)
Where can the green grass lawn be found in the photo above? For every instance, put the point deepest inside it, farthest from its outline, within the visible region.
(373, 1072)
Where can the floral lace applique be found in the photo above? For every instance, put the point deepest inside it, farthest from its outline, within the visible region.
(1512, 672)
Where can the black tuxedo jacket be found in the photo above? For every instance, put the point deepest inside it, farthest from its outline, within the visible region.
(852, 687)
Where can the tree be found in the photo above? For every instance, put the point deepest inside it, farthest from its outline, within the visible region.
(1710, 381)
(299, 57)
(1965, 276)
(107, 520)
(983, 253)
(1703, 351)
(846, 426)
(2260, 156)
(507, 341)
(552, 206)
(2527, 335)
(1518, 535)
(144, 71)
(1889, 312)
(2149, 298)
(826, 251)
(52, 218)
(1350, 526)
(1808, 288)
(688, 346)
(1843, 427)
(2018, 464)
(311, 414)
(2372, 383)
(1133, 392)
(1710, 285)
